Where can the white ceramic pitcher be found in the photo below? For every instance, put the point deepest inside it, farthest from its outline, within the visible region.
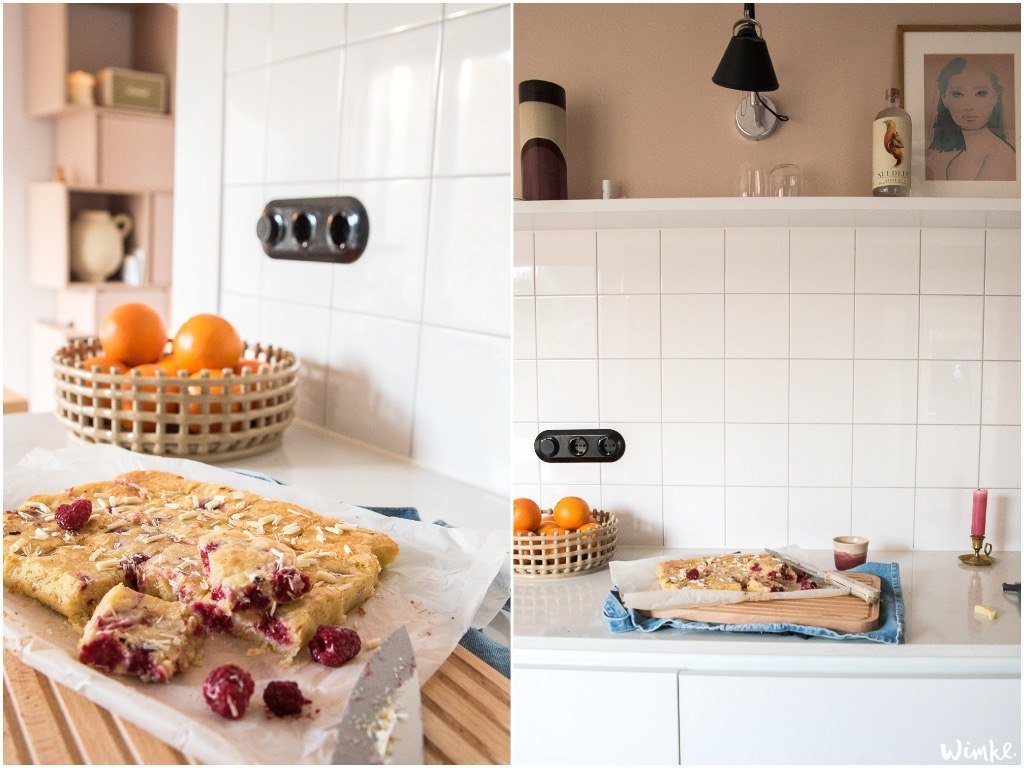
(97, 244)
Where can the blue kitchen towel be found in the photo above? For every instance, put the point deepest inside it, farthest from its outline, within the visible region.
(890, 630)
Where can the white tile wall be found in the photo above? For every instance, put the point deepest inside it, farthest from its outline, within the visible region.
(403, 107)
(776, 384)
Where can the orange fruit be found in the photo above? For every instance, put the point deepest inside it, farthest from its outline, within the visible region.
(207, 341)
(524, 533)
(248, 365)
(525, 515)
(105, 363)
(571, 512)
(551, 530)
(168, 366)
(215, 390)
(134, 334)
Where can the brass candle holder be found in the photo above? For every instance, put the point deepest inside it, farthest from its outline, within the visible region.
(982, 553)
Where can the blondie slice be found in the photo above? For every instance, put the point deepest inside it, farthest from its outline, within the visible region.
(751, 573)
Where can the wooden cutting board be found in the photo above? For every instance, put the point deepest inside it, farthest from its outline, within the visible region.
(844, 613)
(465, 720)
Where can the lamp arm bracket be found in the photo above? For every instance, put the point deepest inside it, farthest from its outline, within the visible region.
(782, 118)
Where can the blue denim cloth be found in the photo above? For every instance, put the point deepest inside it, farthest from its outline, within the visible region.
(890, 630)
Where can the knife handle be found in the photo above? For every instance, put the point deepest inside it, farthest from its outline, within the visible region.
(869, 595)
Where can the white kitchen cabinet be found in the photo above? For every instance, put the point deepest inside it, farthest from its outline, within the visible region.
(563, 716)
(853, 720)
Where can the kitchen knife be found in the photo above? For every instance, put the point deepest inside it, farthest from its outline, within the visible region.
(869, 595)
(383, 724)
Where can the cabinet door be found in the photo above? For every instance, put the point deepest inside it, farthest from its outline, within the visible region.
(136, 152)
(48, 234)
(566, 716)
(815, 720)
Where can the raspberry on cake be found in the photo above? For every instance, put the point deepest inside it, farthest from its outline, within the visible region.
(134, 634)
(250, 574)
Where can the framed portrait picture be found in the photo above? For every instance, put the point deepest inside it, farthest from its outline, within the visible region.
(961, 86)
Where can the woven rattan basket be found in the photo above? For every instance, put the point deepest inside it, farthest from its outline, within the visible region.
(558, 556)
(214, 417)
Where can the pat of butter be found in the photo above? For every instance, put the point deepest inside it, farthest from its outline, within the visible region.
(985, 611)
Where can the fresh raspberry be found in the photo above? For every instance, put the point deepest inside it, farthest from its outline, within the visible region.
(252, 597)
(131, 569)
(275, 630)
(333, 646)
(808, 585)
(74, 516)
(104, 653)
(212, 617)
(290, 584)
(204, 555)
(140, 662)
(755, 567)
(692, 574)
(284, 698)
(227, 690)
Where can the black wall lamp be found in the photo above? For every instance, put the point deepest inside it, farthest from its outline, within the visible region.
(746, 66)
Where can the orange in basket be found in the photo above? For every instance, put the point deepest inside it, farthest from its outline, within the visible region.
(169, 367)
(207, 341)
(134, 334)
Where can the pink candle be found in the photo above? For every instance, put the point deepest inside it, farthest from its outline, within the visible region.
(978, 513)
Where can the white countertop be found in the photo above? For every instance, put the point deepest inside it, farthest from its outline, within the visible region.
(559, 622)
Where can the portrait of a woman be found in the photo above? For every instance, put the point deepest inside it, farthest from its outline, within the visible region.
(971, 137)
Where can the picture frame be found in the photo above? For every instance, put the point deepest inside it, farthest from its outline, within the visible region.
(961, 86)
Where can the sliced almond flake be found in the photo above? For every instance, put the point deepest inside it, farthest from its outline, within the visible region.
(187, 515)
(371, 644)
(239, 505)
(96, 553)
(290, 529)
(294, 541)
(232, 707)
(25, 516)
(340, 528)
(130, 500)
(297, 512)
(237, 516)
(250, 534)
(306, 558)
(214, 503)
(155, 537)
(49, 517)
(173, 505)
(238, 495)
(20, 542)
(75, 546)
(113, 525)
(195, 500)
(266, 519)
(120, 510)
(273, 608)
(37, 505)
(218, 528)
(107, 565)
(101, 503)
(321, 538)
(112, 500)
(141, 537)
(41, 534)
(348, 549)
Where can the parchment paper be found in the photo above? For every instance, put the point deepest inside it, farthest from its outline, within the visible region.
(639, 589)
(434, 589)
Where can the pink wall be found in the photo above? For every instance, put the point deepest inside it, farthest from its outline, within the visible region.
(642, 109)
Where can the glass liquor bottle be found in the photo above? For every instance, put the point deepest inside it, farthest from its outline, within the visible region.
(890, 149)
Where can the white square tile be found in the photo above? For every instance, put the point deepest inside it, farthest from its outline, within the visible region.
(821, 326)
(1002, 262)
(566, 327)
(1000, 397)
(757, 326)
(821, 260)
(885, 391)
(522, 263)
(298, 28)
(757, 260)
(692, 260)
(569, 473)
(952, 261)
(630, 390)
(692, 325)
(387, 114)
(756, 390)
(524, 390)
(693, 390)
(694, 517)
(567, 390)
(372, 19)
(474, 119)
(820, 455)
(525, 464)
(639, 509)
(888, 260)
(756, 454)
(248, 35)
(462, 392)
(885, 517)
(302, 144)
(388, 278)
(524, 328)
(949, 393)
(641, 463)
(951, 327)
(302, 282)
(566, 262)
(817, 515)
(453, 10)
(694, 454)
(884, 455)
(1002, 527)
(942, 518)
(820, 391)
(524, 491)
(1000, 457)
(1002, 328)
(371, 386)
(467, 261)
(550, 494)
(288, 325)
(628, 261)
(947, 456)
(756, 517)
(245, 126)
(886, 327)
(630, 326)
(244, 313)
(242, 257)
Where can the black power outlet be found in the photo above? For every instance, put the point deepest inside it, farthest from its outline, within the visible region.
(564, 445)
(327, 229)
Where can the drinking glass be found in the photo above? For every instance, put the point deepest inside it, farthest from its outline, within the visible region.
(785, 180)
(752, 181)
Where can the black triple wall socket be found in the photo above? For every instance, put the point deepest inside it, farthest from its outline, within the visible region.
(327, 229)
(564, 445)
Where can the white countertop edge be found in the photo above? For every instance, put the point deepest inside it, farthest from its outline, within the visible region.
(769, 204)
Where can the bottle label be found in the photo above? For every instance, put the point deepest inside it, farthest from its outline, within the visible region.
(890, 153)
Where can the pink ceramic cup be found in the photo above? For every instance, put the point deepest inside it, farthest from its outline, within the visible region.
(850, 551)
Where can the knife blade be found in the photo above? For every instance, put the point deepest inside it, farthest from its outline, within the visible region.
(869, 595)
(382, 724)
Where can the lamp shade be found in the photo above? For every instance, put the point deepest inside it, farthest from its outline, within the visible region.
(746, 65)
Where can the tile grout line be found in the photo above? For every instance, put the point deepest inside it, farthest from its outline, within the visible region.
(661, 382)
(853, 377)
(917, 395)
(981, 376)
(725, 428)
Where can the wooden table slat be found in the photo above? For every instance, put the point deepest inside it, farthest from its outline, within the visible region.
(46, 732)
(148, 749)
(458, 746)
(15, 747)
(92, 727)
(481, 705)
